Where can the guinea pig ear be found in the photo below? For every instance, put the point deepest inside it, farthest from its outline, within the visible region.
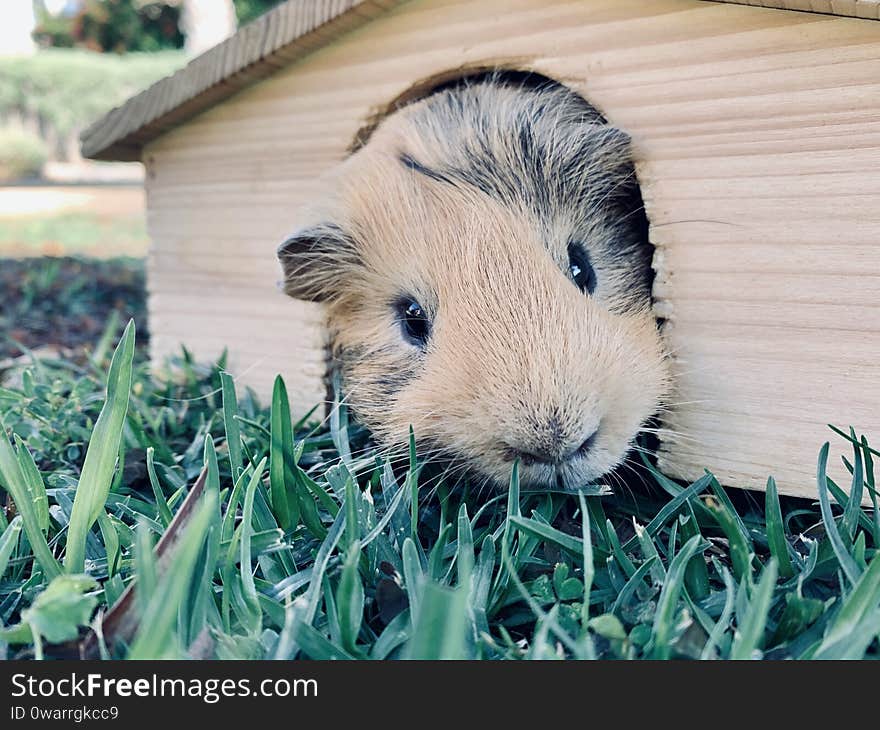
(315, 259)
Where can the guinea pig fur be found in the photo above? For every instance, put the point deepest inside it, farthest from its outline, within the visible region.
(485, 264)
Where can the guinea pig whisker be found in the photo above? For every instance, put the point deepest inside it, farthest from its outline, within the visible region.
(197, 398)
(675, 404)
(623, 486)
(670, 432)
(214, 392)
(698, 220)
(438, 480)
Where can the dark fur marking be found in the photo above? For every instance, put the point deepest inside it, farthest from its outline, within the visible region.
(548, 180)
(316, 241)
(412, 164)
(390, 382)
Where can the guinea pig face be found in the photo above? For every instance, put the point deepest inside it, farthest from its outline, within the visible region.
(485, 265)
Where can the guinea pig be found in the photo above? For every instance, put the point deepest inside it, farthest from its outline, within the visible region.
(485, 263)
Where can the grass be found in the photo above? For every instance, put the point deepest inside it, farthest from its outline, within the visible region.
(281, 548)
(64, 303)
(80, 233)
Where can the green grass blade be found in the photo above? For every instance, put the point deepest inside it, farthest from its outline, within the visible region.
(723, 622)
(549, 618)
(668, 602)
(649, 550)
(721, 496)
(696, 577)
(212, 480)
(339, 424)
(8, 542)
(857, 606)
(776, 530)
(312, 595)
(157, 638)
(440, 629)
(854, 644)
(587, 557)
(100, 462)
(321, 494)
(411, 484)
(572, 545)
(750, 628)
(350, 599)
(847, 563)
(285, 504)
(853, 440)
(395, 634)
(12, 479)
(144, 567)
(386, 518)
(464, 555)
(632, 584)
(227, 526)
(308, 512)
(252, 616)
(740, 554)
(482, 584)
(617, 550)
(798, 615)
(233, 431)
(508, 532)
(671, 507)
(413, 577)
(853, 509)
(842, 498)
(111, 543)
(99, 354)
(165, 515)
(34, 482)
(316, 646)
(872, 491)
(352, 520)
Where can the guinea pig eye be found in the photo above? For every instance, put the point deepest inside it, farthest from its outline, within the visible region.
(414, 322)
(580, 269)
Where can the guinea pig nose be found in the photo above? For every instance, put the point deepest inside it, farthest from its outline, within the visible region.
(585, 447)
(529, 457)
(552, 455)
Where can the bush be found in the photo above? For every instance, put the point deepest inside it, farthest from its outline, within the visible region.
(123, 27)
(64, 90)
(21, 154)
(114, 26)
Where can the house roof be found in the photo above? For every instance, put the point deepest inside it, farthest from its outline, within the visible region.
(284, 34)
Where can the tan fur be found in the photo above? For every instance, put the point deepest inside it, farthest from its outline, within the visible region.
(519, 358)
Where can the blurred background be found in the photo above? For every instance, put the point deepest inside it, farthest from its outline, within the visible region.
(72, 232)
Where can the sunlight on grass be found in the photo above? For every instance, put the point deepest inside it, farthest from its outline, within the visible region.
(68, 234)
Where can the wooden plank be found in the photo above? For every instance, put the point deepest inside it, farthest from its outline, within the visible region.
(868, 9)
(287, 33)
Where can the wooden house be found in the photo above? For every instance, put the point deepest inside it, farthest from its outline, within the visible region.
(757, 129)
